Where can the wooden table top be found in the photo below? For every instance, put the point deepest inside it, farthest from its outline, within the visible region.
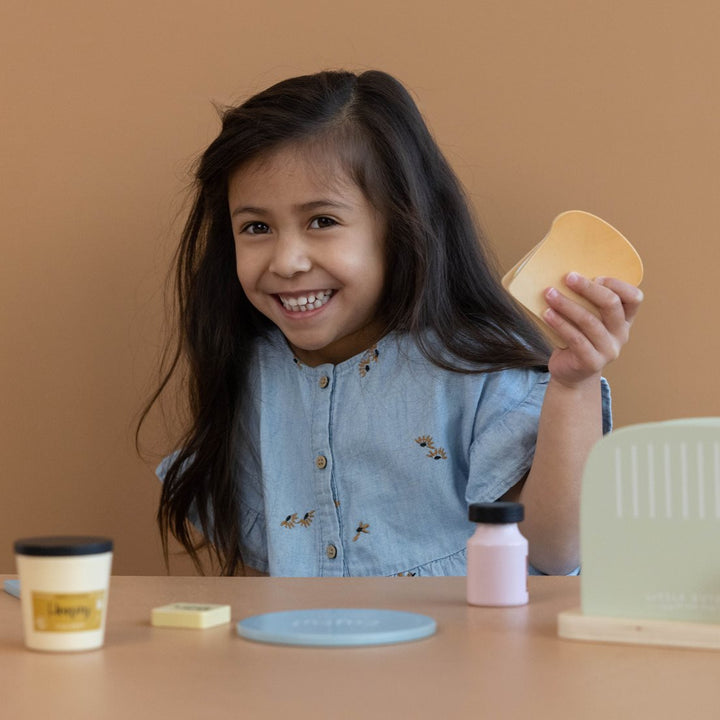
(481, 663)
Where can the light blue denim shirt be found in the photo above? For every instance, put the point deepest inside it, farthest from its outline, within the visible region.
(367, 467)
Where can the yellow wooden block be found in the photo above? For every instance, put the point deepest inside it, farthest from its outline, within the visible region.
(190, 615)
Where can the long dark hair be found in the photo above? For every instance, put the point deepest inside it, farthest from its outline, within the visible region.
(441, 282)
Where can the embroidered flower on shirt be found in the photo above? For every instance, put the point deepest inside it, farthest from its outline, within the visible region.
(360, 529)
(290, 521)
(407, 574)
(371, 356)
(436, 453)
(307, 519)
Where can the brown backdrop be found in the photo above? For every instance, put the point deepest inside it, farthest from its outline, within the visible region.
(611, 107)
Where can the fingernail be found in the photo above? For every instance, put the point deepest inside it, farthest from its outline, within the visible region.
(551, 293)
(573, 277)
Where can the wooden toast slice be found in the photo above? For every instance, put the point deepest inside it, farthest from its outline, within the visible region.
(577, 241)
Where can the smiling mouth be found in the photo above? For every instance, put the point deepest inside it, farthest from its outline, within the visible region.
(303, 303)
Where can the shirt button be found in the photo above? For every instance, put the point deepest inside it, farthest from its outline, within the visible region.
(324, 381)
(331, 552)
(321, 462)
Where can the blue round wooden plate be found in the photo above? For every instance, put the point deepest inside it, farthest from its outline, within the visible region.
(337, 627)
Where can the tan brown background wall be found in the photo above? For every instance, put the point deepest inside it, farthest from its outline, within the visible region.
(611, 107)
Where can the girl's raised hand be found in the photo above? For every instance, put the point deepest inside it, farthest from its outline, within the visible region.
(592, 341)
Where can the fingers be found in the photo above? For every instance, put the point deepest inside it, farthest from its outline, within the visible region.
(616, 304)
(583, 332)
(608, 303)
(616, 301)
(630, 296)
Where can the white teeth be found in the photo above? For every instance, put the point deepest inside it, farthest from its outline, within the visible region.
(304, 303)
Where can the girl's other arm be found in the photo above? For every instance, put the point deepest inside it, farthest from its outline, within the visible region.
(571, 416)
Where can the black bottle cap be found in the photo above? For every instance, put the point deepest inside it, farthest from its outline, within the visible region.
(496, 513)
(59, 546)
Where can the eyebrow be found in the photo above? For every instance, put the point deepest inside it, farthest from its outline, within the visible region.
(303, 207)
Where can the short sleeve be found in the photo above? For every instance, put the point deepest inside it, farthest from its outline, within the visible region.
(162, 470)
(253, 546)
(505, 432)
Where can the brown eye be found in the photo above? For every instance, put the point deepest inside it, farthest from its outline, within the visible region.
(255, 228)
(322, 222)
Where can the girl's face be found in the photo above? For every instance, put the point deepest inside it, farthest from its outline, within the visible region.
(309, 253)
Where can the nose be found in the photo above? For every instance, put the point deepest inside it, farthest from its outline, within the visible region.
(290, 256)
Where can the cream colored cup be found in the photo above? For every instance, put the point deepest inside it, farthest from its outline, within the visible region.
(64, 583)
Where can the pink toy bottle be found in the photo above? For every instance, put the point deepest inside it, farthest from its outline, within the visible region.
(497, 556)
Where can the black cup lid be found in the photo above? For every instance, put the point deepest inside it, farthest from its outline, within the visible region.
(496, 513)
(63, 545)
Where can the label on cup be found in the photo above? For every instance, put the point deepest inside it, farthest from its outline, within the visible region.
(68, 612)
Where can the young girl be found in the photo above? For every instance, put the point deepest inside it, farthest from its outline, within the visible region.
(357, 375)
